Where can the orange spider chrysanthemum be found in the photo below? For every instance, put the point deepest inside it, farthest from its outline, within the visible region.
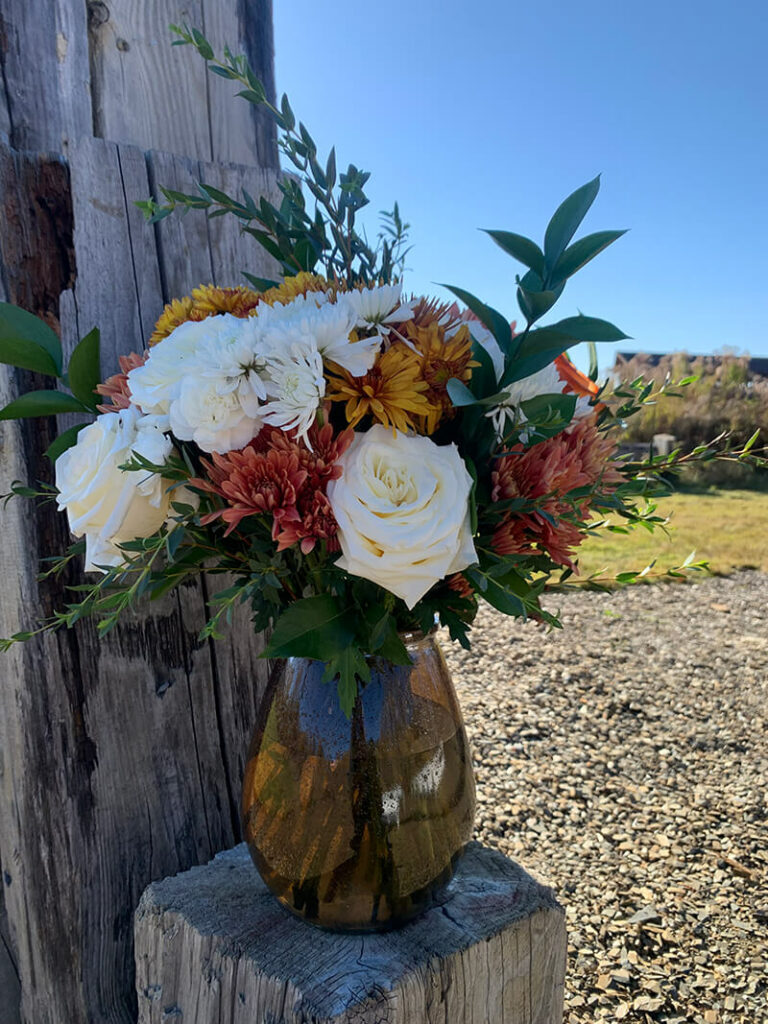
(206, 300)
(441, 359)
(291, 287)
(391, 392)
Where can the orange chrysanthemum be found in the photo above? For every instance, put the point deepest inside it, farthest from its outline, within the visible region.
(391, 392)
(206, 300)
(578, 457)
(116, 387)
(300, 284)
(441, 359)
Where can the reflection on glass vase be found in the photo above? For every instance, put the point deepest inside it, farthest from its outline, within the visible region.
(357, 823)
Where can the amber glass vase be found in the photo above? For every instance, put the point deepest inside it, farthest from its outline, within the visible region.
(357, 823)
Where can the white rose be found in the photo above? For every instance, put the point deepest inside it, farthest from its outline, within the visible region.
(402, 506)
(103, 502)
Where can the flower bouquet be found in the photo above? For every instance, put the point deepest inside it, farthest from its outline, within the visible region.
(363, 463)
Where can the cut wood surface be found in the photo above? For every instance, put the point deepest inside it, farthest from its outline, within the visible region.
(212, 944)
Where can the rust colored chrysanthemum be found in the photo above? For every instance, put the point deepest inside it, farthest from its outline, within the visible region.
(116, 387)
(391, 392)
(429, 311)
(253, 483)
(206, 300)
(440, 359)
(578, 457)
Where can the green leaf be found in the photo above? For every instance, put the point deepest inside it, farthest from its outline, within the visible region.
(459, 393)
(588, 328)
(84, 370)
(566, 220)
(521, 248)
(64, 441)
(314, 627)
(494, 593)
(593, 367)
(533, 299)
(261, 284)
(580, 253)
(349, 665)
(497, 324)
(41, 403)
(28, 342)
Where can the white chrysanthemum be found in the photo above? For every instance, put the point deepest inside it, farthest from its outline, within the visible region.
(379, 306)
(544, 382)
(233, 357)
(155, 384)
(209, 411)
(326, 328)
(295, 386)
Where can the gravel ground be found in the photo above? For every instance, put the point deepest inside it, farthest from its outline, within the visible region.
(624, 761)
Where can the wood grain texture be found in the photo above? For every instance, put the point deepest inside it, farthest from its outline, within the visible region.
(212, 944)
(44, 60)
(121, 758)
(155, 96)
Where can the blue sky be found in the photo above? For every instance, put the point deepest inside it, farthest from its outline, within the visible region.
(489, 121)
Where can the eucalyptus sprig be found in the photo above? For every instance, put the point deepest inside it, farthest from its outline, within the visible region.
(298, 238)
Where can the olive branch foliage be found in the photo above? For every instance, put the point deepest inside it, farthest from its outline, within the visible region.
(313, 608)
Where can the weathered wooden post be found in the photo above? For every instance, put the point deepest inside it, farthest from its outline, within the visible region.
(213, 944)
(120, 761)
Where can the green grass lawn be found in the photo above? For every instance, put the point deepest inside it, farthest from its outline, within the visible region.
(729, 529)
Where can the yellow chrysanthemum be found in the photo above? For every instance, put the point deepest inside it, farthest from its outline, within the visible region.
(178, 311)
(210, 300)
(205, 300)
(390, 392)
(300, 284)
(441, 359)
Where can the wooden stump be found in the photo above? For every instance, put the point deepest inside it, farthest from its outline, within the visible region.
(212, 944)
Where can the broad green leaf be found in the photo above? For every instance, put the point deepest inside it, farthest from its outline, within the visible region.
(261, 284)
(497, 324)
(494, 593)
(534, 301)
(521, 248)
(28, 342)
(64, 441)
(459, 393)
(593, 367)
(315, 627)
(84, 370)
(580, 253)
(566, 220)
(41, 403)
(588, 328)
(484, 375)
